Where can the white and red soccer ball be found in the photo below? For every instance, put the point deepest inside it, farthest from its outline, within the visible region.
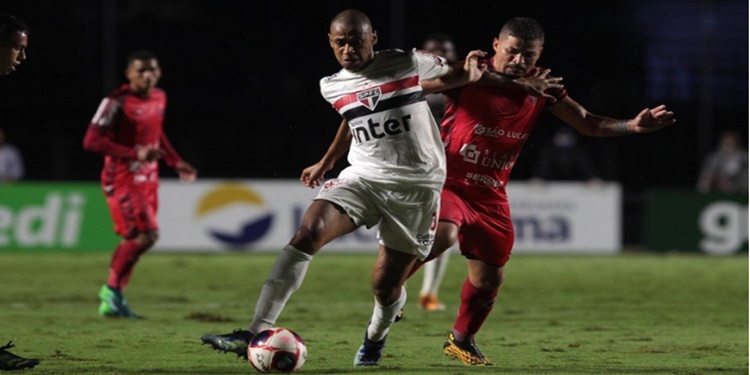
(277, 350)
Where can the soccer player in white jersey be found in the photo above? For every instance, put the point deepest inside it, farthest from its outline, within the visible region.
(397, 169)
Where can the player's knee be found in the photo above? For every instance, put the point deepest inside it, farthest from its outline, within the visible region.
(488, 278)
(310, 233)
(147, 239)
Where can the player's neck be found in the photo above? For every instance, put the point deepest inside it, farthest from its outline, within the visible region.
(144, 93)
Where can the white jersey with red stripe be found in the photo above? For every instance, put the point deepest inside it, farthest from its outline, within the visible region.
(394, 135)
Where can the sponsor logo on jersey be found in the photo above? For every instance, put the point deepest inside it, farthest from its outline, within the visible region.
(369, 98)
(482, 130)
(487, 180)
(470, 153)
(374, 130)
(494, 161)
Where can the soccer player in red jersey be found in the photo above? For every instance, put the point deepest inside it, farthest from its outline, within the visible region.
(484, 129)
(128, 130)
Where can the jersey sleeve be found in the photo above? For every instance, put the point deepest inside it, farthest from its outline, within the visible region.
(429, 66)
(171, 157)
(100, 135)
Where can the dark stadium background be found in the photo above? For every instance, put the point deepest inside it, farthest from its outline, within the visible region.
(242, 77)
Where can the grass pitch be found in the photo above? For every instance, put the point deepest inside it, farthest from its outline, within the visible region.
(625, 314)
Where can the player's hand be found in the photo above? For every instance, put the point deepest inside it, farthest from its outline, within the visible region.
(313, 175)
(651, 119)
(149, 153)
(538, 83)
(473, 70)
(186, 171)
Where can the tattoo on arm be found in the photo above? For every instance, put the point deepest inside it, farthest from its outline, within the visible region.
(615, 128)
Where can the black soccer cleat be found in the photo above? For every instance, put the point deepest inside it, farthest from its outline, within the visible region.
(10, 361)
(369, 353)
(235, 342)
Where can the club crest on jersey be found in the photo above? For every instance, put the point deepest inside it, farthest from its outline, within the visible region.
(369, 98)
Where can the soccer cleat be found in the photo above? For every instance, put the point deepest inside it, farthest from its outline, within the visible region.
(399, 316)
(235, 342)
(369, 353)
(10, 361)
(430, 302)
(114, 305)
(464, 351)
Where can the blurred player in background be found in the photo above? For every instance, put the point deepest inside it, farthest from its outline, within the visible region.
(14, 38)
(442, 45)
(128, 130)
(725, 169)
(11, 161)
(486, 129)
(397, 168)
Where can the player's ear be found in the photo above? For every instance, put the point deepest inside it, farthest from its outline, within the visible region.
(374, 37)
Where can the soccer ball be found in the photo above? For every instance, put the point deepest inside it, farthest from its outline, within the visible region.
(277, 350)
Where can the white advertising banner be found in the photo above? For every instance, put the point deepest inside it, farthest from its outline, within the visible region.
(262, 215)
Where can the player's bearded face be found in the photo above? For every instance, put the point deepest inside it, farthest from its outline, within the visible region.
(143, 75)
(515, 56)
(352, 45)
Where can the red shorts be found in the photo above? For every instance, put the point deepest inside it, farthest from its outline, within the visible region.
(133, 209)
(485, 231)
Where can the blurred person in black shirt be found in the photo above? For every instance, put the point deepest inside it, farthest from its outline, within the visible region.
(564, 159)
(725, 169)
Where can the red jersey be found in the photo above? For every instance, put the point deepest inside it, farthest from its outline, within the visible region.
(484, 130)
(124, 122)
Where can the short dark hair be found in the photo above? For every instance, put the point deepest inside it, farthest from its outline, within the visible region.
(9, 25)
(524, 28)
(142, 54)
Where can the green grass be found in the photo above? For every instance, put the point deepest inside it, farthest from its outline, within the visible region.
(625, 314)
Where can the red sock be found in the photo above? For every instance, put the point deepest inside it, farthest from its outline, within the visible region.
(476, 305)
(123, 261)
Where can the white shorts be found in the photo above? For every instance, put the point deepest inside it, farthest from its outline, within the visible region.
(407, 214)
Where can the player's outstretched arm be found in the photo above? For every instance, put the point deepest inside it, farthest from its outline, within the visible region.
(587, 123)
(313, 175)
(461, 73)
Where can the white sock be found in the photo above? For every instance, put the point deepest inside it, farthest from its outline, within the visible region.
(383, 317)
(285, 278)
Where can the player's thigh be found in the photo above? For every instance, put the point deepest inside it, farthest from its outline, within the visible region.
(409, 219)
(144, 200)
(489, 237)
(116, 212)
(354, 197)
(322, 222)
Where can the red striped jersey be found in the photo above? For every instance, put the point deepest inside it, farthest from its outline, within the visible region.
(394, 135)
